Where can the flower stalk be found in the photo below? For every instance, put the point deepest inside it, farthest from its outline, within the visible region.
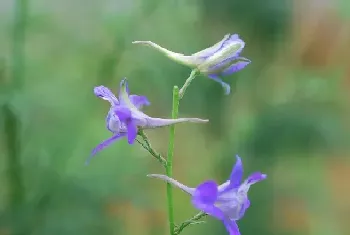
(187, 83)
(147, 145)
(194, 220)
(169, 166)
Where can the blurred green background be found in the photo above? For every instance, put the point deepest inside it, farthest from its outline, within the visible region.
(287, 114)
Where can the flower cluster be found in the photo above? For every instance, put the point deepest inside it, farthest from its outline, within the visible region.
(227, 202)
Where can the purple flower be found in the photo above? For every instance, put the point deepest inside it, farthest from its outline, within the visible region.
(221, 59)
(125, 117)
(226, 202)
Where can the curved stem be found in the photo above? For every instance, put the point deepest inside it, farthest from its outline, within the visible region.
(147, 145)
(169, 167)
(187, 83)
(193, 220)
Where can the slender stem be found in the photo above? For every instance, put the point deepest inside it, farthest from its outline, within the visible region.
(13, 145)
(169, 168)
(20, 18)
(147, 145)
(12, 130)
(187, 83)
(193, 220)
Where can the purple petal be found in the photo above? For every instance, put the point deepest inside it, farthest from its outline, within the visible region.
(223, 187)
(123, 113)
(238, 52)
(106, 94)
(247, 204)
(218, 46)
(139, 101)
(124, 97)
(108, 119)
(123, 85)
(132, 131)
(229, 65)
(256, 177)
(124, 93)
(234, 37)
(226, 86)
(113, 122)
(204, 198)
(103, 145)
(231, 227)
(244, 207)
(207, 192)
(235, 67)
(237, 173)
(211, 210)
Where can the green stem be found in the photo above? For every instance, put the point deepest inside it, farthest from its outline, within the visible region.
(147, 145)
(193, 220)
(12, 120)
(13, 145)
(187, 83)
(20, 19)
(169, 167)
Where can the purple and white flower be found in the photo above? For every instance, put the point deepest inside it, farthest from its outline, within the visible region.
(226, 202)
(221, 59)
(125, 118)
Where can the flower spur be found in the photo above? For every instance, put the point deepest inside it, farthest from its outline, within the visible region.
(125, 118)
(221, 59)
(226, 202)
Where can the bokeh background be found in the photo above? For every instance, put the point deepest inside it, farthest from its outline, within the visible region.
(288, 114)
